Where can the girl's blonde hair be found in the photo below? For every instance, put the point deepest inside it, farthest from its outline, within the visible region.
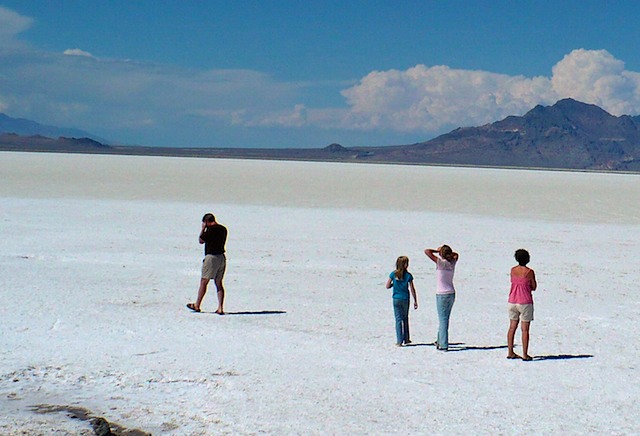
(402, 263)
(446, 252)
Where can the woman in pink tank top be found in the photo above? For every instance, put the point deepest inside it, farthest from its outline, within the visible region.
(523, 283)
(445, 259)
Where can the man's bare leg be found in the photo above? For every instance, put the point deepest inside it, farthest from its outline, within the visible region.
(201, 292)
(220, 288)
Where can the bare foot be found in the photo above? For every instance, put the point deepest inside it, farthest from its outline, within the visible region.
(513, 356)
(527, 358)
(220, 312)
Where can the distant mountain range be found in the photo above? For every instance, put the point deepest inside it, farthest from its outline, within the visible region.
(24, 127)
(568, 135)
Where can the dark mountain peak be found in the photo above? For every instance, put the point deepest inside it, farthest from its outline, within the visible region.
(571, 105)
(568, 105)
(569, 112)
(335, 148)
(566, 115)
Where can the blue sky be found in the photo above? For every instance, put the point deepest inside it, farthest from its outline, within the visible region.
(308, 73)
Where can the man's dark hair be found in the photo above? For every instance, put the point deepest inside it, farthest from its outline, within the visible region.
(208, 217)
(522, 257)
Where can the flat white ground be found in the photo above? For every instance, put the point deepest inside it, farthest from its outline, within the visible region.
(99, 255)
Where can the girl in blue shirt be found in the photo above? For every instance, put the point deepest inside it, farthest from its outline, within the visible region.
(402, 281)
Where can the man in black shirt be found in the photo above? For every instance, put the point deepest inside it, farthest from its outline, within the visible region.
(213, 236)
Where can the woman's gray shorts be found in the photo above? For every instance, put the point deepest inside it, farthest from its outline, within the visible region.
(522, 312)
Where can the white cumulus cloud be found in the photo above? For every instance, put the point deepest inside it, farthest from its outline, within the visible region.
(595, 76)
(77, 52)
(295, 118)
(426, 98)
(429, 99)
(12, 23)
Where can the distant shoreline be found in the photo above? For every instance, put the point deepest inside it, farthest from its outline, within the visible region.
(346, 155)
(568, 136)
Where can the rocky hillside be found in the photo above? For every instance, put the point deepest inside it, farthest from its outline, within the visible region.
(569, 134)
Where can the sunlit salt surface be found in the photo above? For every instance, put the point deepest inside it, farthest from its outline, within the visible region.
(100, 254)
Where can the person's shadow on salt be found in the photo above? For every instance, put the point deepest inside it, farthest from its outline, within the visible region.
(259, 312)
(563, 357)
(463, 347)
(459, 346)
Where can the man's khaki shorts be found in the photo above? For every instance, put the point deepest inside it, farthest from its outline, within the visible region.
(521, 312)
(213, 266)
